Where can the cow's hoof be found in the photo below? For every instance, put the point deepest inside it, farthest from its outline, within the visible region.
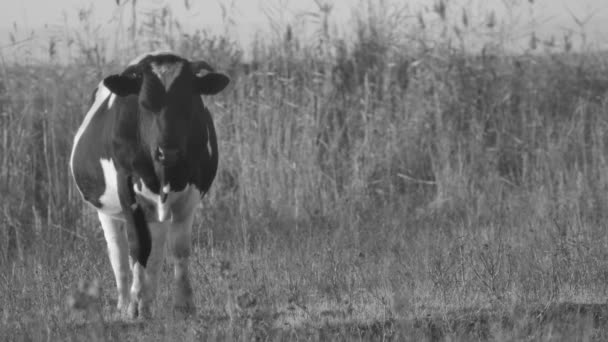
(122, 306)
(137, 309)
(133, 310)
(144, 311)
(184, 309)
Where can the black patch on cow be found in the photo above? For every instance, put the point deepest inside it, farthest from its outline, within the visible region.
(153, 95)
(138, 234)
(207, 174)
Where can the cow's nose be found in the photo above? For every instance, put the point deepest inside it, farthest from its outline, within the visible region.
(167, 156)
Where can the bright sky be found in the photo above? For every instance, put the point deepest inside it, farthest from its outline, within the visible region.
(53, 18)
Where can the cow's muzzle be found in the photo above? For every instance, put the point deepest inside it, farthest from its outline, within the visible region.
(167, 156)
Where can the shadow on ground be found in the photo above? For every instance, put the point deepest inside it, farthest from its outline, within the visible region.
(564, 321)
(560, 321)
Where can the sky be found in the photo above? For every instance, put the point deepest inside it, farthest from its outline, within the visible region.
(35, 21)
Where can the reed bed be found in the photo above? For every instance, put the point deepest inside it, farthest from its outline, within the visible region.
(382, 186)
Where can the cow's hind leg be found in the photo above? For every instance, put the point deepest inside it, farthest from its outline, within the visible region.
(179, 245)
(116, 238)
(145, 279)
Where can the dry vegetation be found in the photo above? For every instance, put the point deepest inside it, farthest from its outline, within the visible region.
(368, 189)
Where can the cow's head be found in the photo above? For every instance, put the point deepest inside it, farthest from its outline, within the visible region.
(168, 89)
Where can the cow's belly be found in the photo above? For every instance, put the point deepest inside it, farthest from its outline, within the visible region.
(178, 204)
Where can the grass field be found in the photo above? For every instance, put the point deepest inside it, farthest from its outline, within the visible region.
(368, 190)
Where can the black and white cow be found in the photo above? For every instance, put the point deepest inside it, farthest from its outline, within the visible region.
(143, 157)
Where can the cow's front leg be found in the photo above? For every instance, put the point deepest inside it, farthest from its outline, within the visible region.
(116, 238)
(145, 279)
(179, 246)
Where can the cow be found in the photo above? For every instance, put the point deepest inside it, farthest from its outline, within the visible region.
(144, 156)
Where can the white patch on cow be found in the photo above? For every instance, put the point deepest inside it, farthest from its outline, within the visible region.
(163, 209)
(209, 149)
(111, 100)
(101, 95)
(109, 200)
(118, 252)
(167, 72)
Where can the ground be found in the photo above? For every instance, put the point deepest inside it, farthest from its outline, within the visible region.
(326, 286)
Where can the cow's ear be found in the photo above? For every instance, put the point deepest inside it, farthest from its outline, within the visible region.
(210, 83)
(122, 85)
(206, 80)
